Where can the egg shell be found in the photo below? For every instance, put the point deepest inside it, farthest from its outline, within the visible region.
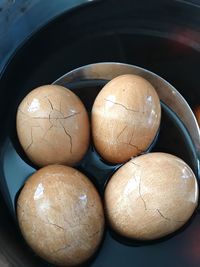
(125, 118)
(151, 196)
(53, 126)
(60, 215)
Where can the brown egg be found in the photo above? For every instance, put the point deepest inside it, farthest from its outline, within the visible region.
(151, 196)
(53, 126)
(125, 118)
(60, 215)
(197, 114)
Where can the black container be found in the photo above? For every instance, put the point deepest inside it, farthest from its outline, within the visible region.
(162, 36)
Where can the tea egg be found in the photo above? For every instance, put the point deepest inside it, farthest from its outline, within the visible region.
(151, 196)
(53, 126)
(125, 118)
(60, 215)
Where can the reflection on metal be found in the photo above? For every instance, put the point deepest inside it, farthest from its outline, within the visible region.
(167, 93)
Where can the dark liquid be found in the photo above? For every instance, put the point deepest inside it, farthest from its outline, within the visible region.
(172, 138)
(159, 37)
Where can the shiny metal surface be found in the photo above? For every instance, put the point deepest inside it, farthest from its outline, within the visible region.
(167, 93)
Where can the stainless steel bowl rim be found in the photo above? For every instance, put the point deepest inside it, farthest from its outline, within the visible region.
(166, 92)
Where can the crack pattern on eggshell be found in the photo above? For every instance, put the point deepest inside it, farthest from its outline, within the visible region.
(125, 118)
(151, 196)
(61, 215)
(53, 126)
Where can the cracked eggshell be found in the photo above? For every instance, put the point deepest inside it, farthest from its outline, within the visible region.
(60, 215)
(151, 196)
(53, 126)
(125, 118)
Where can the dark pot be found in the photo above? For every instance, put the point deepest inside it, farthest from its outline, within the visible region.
(161, 36)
